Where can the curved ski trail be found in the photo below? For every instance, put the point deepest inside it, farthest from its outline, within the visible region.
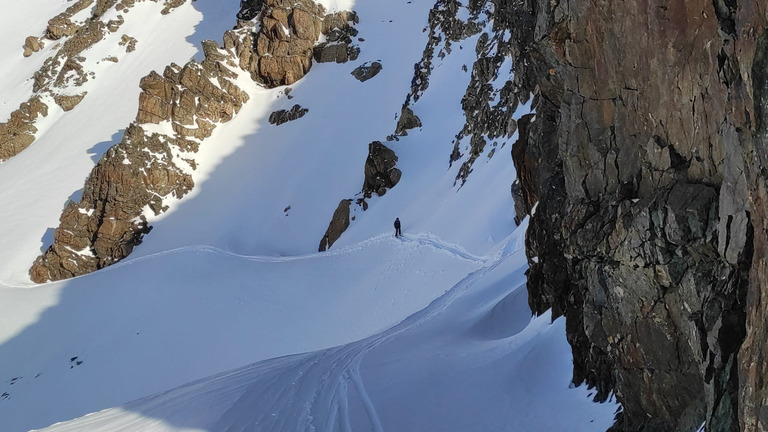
(324, 376)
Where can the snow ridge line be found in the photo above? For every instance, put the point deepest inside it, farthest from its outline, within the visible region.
(420, 239)
(308, 391)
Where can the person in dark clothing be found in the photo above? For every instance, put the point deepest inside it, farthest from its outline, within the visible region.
(398, 233)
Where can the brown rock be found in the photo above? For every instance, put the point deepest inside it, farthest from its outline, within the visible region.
(643, 233)
(60, 27)
(152, 109)
(170, 5)
(339, 224)
(285, 116)
(18, 132)
(305, 25)
(32, 45)
(332, 52)
(128, 42)
(367, 71)
(69, 102)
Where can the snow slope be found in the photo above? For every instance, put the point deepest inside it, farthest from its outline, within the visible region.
(471, 360)
(431, 332)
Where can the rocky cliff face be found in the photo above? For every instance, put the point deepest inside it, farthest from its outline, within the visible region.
(645, 157)
(178, 110)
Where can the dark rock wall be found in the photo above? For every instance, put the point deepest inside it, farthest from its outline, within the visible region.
(753, 357)
(645, 158)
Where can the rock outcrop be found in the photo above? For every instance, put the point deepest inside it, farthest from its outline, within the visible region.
(139, 176)
(644, 174)
(381, 174)
(339, 224)
(380, 171)
(338, 46)
(407, 121)
(284, 116)
(367, 71)
(19, 131)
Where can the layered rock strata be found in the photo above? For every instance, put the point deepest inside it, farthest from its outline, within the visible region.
(178, 110)
(643, 173)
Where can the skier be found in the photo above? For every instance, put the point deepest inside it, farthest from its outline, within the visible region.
(398, 233)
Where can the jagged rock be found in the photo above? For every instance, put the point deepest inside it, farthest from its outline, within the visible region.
(339, 224)
(380, 171)
(367, 71)
(114, 25)
(283, 70)
(284, 116)
(338, 52)
(102, 6)
(60, 27)
(18, 132)
(643, 234)
(170, 5)
(69, 102)
(408, 120)
(107, 222)
(249, 9)
(340, 21)
(380, 175)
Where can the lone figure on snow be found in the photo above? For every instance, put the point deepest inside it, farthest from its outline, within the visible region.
(398, 233)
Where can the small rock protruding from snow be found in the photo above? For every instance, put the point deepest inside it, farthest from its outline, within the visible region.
(284, 116)
(367, 71)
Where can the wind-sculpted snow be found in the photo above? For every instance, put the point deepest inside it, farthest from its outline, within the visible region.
(370, 384)
(172, 317)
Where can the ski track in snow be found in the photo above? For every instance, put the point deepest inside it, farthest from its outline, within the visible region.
(342, 365)
(322, 379)
(311, 391)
